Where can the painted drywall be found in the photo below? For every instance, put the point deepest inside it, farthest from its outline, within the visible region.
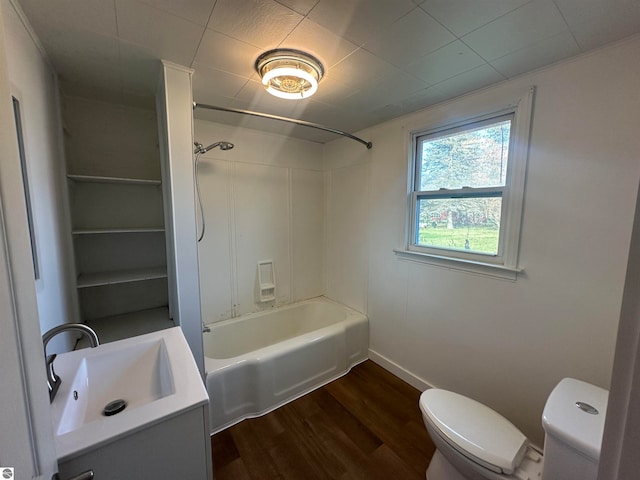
(34, 84)
(26, 435)
(503, 343)
(263, 200)
(175, 125)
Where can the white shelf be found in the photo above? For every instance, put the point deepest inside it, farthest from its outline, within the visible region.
(118, 327)
(122, 276)
(99, 231)
(121, 180)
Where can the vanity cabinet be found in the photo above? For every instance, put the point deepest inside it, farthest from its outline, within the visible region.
(116, 207)
(173, 448)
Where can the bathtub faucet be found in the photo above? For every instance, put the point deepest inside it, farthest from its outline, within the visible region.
(53, 380)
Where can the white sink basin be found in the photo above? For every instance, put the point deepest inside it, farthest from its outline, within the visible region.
(154, 374)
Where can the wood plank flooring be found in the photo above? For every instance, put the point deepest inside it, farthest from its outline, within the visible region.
(366, 425)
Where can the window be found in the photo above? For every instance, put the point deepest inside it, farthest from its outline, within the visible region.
(467, 188)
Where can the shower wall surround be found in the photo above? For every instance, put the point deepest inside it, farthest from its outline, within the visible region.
(263, 200)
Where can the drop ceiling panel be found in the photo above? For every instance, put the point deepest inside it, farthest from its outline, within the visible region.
(468, 81)
(303, 7)
(98, 16)
(227, 54)
(210, 79)
(319, 41)
(166, 36)
(360, 69)
(196, 11)
(595, 22)
(464, 16)
(521, 28)
(142, 67)
(449, 61)
(412, 36)
(383, 57)
(547, 51)
(359, 20)
(262, 23)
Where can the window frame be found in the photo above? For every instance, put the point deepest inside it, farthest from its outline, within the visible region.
(458, 117)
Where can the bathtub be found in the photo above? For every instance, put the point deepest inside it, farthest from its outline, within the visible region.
(261, 361)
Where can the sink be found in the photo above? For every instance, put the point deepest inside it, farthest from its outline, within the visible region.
(121, 387)
(138, 374)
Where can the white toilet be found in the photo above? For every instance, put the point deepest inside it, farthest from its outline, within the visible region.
(476, 443)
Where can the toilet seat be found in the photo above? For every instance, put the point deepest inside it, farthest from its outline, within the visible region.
(474, 430)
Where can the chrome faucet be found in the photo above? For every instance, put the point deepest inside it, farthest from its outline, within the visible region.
(53, 380)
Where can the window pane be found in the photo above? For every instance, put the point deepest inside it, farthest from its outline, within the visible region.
(471, 224)
(470, 158)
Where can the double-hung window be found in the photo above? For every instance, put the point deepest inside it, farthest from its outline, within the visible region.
(467, 188)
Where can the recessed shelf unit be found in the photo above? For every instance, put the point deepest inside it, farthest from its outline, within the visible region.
(99, 279)
(104, 231)
(116, 205)
(122, 180)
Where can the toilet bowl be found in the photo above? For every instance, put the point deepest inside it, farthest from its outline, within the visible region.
(473, 442)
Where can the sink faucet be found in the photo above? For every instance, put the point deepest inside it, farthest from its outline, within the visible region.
(53, 380)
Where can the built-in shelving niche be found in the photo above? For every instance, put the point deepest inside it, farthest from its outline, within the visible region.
(115, 196)
(119, 244)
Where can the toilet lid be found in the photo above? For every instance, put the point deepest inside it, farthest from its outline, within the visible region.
(474, 430)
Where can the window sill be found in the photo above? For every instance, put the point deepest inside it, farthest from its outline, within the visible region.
(471, 266)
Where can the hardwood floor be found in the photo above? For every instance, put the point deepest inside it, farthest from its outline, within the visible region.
(365, 425)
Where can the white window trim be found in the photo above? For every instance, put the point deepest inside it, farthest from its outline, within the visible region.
(459, 113)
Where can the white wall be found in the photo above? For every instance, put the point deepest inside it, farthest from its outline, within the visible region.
(174, 106)
(34, 84)
(503, 343)
(25, 429)
(263, 200)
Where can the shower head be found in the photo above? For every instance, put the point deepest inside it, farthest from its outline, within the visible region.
(223, 146)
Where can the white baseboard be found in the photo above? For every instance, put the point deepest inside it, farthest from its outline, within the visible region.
(399, 371)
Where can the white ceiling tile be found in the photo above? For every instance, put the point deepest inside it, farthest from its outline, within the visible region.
(310, 37)
(412, 36)
(227, 54)
(98, 75)
(97, 16)
(359, 20)
(361, 68)
(421, 99)
(466, 82)
(110, 49)
(166, 36)
(301, 6)
(196, 11)
(596, 22)
(446, 62)
(222, 83)
(263, 23)
(540, 54)
(140, 69)
(464, 16)
(82, 45)
(522, 27)
(390, 90)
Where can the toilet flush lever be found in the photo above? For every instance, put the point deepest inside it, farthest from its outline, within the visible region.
(585, 407)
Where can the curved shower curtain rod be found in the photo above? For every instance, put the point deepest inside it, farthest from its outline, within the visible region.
(283, 119)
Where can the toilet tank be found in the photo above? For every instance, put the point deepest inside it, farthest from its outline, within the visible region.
(573, 421)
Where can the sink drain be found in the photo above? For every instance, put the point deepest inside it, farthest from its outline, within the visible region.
(114, 407)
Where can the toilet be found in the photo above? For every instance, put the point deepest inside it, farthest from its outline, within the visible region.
(473, 442)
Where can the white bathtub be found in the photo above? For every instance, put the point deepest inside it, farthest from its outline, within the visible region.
(261, 361)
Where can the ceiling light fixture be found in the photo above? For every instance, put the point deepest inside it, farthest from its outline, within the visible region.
(288, 73)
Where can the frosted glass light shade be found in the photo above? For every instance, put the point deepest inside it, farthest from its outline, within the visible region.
(289, 74)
